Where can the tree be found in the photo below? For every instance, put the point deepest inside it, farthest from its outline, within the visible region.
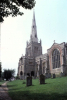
(8, 73)
(2, 75)
(12, 7)
(0, 70)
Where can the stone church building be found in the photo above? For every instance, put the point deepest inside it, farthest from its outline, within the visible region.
(35, 63)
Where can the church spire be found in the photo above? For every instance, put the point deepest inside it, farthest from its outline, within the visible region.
(34, 31)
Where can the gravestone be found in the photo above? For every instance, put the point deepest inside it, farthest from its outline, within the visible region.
(49, 75)
(46, 75)
(61, 74)
(29, 81)
(42, 79)
(53, 76)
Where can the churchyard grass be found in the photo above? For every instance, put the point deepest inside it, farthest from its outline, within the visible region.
(53, 89)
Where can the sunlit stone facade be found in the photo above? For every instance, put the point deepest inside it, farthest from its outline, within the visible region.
(35, 63)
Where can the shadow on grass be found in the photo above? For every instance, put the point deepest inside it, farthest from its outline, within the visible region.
(26, 95)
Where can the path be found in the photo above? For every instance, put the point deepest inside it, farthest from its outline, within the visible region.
(4, 92)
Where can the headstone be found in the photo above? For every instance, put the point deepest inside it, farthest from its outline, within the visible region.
(46, 75)
(29, 81)
(53, 76)
(40, 67)
(49, 75)
(61, 74)
(34, 77)
(42, 79)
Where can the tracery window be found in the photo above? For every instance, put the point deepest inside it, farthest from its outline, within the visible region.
(56, 58)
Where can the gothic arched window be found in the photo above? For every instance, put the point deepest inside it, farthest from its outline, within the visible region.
(56, 58)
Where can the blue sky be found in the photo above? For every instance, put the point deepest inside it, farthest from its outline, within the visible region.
(51, 21)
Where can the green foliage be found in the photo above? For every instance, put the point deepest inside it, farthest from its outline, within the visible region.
(17, 77)
(8, 73)
(0, 70)
(1, 82)
(54, 89)
(2, 75)
(12, 7)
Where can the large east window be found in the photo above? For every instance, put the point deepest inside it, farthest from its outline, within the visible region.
(55, 58)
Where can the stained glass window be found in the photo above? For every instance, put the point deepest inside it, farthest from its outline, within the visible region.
(55, 58)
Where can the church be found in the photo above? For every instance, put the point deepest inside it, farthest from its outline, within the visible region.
(35, 63)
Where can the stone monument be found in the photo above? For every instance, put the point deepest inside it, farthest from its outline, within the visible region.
(42, 79)
(29, 81)
(53, 76)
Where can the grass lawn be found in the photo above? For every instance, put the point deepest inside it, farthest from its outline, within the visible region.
(1, 82)
(54, 89)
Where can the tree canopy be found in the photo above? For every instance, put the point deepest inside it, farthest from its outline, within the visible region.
(12, 7)
(8, 73)
(0, 69)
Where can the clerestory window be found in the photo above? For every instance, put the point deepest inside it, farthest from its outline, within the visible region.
(55, 58)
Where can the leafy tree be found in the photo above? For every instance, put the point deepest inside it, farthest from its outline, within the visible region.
(0, 70)
(8, 73)
(2, 75)
(17, 77)
(12, 7)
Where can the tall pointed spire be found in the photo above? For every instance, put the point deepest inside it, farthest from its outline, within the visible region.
(34, 31)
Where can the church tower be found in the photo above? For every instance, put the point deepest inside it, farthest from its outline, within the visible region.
(33, 48)
(34, 30)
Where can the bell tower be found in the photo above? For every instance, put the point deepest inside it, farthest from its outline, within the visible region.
(33, 36)
(34, 47)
